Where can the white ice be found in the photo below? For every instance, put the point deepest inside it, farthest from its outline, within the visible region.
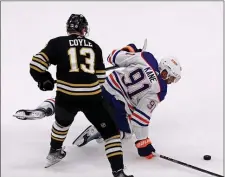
(187, 124)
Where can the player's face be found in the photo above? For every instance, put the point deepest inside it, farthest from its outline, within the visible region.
(164, 74)
(85, 31)
(170, 80)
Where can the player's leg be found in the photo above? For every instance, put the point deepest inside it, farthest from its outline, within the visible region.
(60, 128)
(101, 119)
(117, 112)
(46, 108)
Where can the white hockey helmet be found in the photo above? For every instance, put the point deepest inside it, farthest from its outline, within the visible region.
(172, 66)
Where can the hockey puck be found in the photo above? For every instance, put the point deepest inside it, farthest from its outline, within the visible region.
(207, 157)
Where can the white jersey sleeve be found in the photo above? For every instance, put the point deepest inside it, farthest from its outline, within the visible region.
(140, 118)
(122, 58)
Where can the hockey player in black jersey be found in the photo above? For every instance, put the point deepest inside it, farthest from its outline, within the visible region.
(80, 71)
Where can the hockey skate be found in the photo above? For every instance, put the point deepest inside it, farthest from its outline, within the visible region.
(25, 114)
(55, 156)
(121, 173)
(89, 134)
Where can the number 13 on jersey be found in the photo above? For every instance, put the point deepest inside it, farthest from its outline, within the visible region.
(90, 61)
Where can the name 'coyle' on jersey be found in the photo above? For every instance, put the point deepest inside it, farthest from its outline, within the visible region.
(139, 85)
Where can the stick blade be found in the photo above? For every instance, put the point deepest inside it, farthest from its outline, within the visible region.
(145, 45)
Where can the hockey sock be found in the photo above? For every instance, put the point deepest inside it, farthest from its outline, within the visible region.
(58, 135)
(114, 152)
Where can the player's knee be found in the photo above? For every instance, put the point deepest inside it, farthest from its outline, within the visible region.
(109, 134)
(60, 130)
(63, 117)
(64, 123)
(108, 130)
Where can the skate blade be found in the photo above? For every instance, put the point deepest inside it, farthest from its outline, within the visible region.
(27, 117)
(79, 142)
(49, 164)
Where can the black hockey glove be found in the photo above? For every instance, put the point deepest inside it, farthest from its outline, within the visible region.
(47, 82)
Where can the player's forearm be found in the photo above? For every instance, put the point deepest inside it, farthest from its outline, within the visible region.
(38, 66)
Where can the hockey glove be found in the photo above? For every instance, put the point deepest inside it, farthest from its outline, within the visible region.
(131, 48)
(47, 82)
(145, 148)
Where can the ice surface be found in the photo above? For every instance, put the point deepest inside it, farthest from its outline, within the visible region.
(186, 126)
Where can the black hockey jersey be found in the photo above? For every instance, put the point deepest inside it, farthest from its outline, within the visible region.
(80, 68)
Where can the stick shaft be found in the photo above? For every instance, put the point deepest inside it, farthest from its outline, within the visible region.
(111, 67)
(187, 165)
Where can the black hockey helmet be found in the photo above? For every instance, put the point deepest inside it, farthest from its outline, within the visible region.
(77, 23)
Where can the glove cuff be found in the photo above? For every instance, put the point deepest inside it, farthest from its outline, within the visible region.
(143, 143)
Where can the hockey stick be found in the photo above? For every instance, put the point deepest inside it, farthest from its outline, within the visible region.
(111, 67)
(115, 67)
(187, 165)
